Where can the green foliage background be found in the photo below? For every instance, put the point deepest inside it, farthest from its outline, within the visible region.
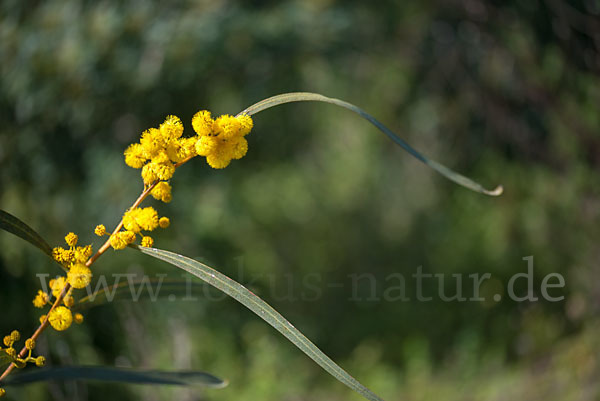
(505, 92)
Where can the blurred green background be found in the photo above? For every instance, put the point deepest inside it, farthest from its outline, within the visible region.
(504, 92)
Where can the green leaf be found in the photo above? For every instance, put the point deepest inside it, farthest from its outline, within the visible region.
(315, 97)
(13, 225)
(121, 375)
(264, 311)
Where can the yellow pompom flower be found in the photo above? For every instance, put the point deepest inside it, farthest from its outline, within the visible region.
(161, 157)
(15, 336)
(180, 149)
(69, 301)
(100, 230)
(147, 241)
(224, 141)
(40, 361)
(60, 318)
(171, 128)
(151, 142)
(79, 276)
(128, 236)
(130, 220)
(164, 222)
(71, 239)
(202, 123)
(30, 343)
(57, 253)
(121, 239)
(218, 160)
(57, 285)
(138, 219)
(2, 392)
(78, 318)
(246, 123)
(41, 299)
(117, 242)
(135, 155)
(8, 341)
(227, 127)
(163, 170)
(158, 170)
(63, 256)
(148, 174)
(206, 145)
(174, 151)
(162, 192)
(188, 146)
(148, 219)
(82, 253)
(42, 319)
(238, 148)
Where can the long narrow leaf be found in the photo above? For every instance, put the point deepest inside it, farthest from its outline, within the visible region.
(315, 97)
(13, 225)
(264, 311)
(120, 375)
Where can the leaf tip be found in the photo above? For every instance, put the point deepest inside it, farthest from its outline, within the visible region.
(495, 192)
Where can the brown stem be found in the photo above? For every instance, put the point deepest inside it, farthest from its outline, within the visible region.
(39, 330)
(90, 261)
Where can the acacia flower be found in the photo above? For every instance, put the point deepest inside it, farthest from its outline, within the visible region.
(221, 140)
(139, 219)
(60, 318)
(100, 230)
(71, 239)
(57, 285)
(121, 239)
(79, 276)
(162, 192)
(164, 222)
(41, 299)
(147, 241)
(30, 343)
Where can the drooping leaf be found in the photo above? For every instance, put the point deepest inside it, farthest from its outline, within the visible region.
(13, 225)
(120, 375)
(315, 97)
(264, 311)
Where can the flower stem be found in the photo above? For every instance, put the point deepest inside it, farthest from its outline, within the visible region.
(90, 261)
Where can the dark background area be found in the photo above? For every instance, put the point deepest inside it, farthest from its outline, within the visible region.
(506, 92)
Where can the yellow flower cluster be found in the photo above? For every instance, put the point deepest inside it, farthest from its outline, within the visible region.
(74, 259)
(221, 140)
(134, 222)
(10, 353)
(158, 153)
(78, 276)
(159, 150)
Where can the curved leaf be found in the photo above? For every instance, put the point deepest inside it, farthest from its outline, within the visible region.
(264, 311)
(121, 375)
(315, 97)
(13, 225)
